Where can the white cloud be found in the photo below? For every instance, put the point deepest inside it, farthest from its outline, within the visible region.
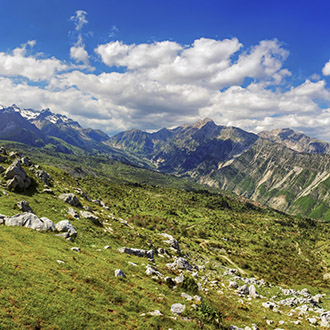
(166, 84)
(36, 69)
(78, 51)
(326, 69)
(79, 19)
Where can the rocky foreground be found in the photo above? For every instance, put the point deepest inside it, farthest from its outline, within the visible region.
(164, 263)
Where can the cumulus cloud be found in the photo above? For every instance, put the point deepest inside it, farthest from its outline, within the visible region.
(166, 84)
(78, 51)
(326, 69)
(17, 63)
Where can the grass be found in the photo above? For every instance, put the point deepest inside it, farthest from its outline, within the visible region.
(215, 231)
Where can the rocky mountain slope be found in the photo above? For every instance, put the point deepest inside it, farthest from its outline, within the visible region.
(283, 169)
(297, 141)
(107, 254)
(189, 149)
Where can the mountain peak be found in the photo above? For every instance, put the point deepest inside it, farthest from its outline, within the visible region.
(202, 122)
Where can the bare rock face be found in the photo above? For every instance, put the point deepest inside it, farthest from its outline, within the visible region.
(16, 177)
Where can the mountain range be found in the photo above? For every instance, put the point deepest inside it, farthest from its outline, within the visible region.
(283, 168)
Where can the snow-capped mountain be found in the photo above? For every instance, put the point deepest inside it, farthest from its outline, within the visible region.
(38, 128)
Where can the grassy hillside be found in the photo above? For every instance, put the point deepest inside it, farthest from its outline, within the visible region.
(46, 285)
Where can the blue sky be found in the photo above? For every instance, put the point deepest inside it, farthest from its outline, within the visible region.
(147, 64)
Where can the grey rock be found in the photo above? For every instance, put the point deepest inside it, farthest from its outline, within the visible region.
(269, 305)
(179, 279)
(74, 214)
(119, 273)
(178, 308)
(186, 296)
(48, 191)
(230, 271)
(67, 227)
(243, 290)
(180, 263)
(252, 291)
(132, 264)
(172, 242)
(325, 316)
(156, 312)
(43, 176)
(137, 252)
(151, 271)
(24, 206)
(30, 220)
(312, 320)
(71, 199)
(63, 235)
(76, 249)
(26, 161)
(233, 285)
(90, 216)
(16, 177)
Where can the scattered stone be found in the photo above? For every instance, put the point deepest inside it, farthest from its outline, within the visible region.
(197, 298)
(179, 279)
(90, 216)
(312, 320)
(252, 291)
(177, 308)
(73, 213)
(137, 252)
(60, 261)
(119, 273)
(243, 290)
(48, 191)
(269, 305)
(4, 193)
(153, 272)
(172, 242)
(180, 263)
(76, 249)
(43, 176)
(30, 220)
(186, 296)
(71, 199)
(233, 285)
(68, 230)
(24, 206)
(156, 312)
(132, 264)
(107, 247)
(269, 322)
(26, 161)
(16, 177)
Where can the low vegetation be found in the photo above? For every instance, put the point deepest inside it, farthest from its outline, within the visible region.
(46, 285)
